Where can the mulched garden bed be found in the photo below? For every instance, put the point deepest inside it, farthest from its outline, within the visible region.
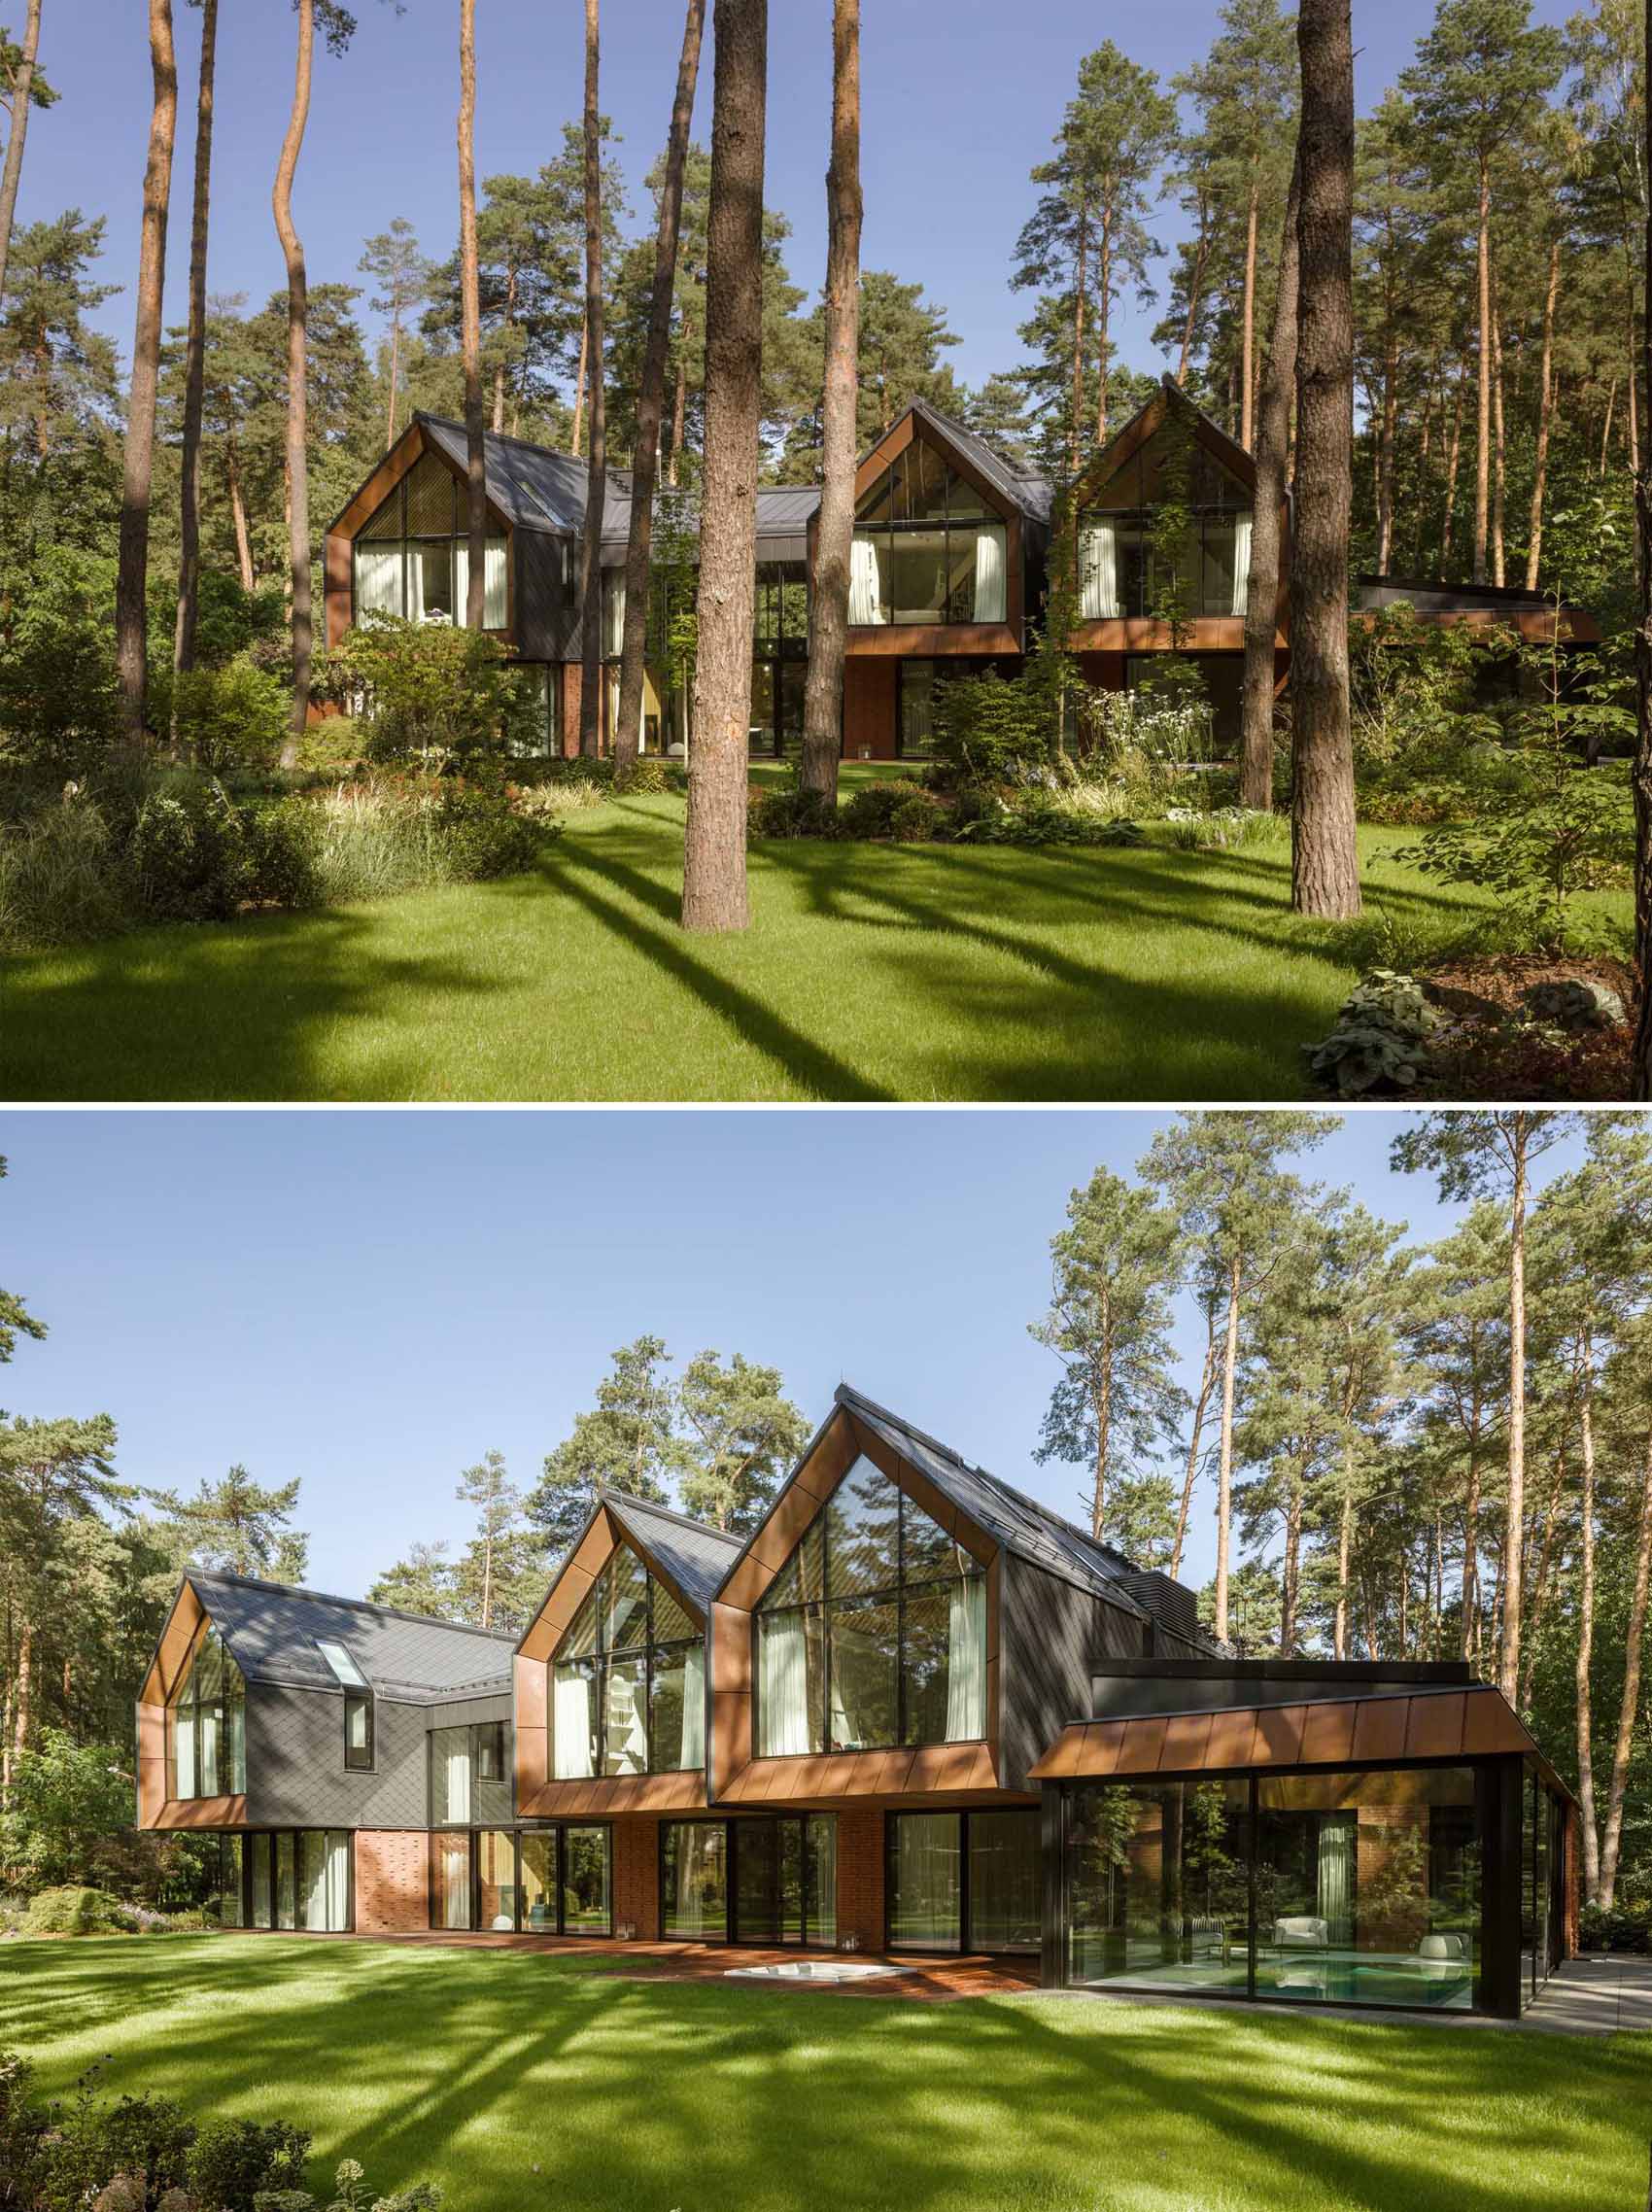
(1491, 1046)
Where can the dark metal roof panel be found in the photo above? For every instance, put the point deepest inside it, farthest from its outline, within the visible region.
(273, 1628)
(1030, 494)
(696, 1557)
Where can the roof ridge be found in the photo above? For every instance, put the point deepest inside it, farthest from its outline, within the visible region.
(606, 1491)
(356, 1604)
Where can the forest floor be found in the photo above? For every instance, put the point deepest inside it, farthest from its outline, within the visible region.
(518, 2082)
(870, 972)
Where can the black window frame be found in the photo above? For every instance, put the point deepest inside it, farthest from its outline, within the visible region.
(599, 1658)
(822, 1607)
(264, 1836)
(184, 1708)
(985, 515)
(734, 1825)
(452, 539)
(517, 1830)
(364, 1761)
(474, 1731)
(967, 1946)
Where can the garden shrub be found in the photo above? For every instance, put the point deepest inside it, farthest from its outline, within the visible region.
(434, 692)
(1625, 1927)
(75, 1909)
(793, 814)
(280, 868)
(648, 777)
(62, 878)
(991, 729)
(58, 696)
(551, 803)
(1381, 1038)
(481, 835)
(231, 2160)
(224, 719)
(188, 851)
(901, 810)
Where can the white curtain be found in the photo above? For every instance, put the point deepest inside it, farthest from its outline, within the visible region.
(693, 1706)
(337, 1880)
(1240, 565)
(313, 1866)
(614, 610)
(1098, 571)
(459, 1781)
(626, 1750)
(378, 579)
(209, 1752)
(184, 1753)
(570, 1724)
(1336, 1876)
(494, 611)
(456, 1882)
(866, 596)
(783, 1687)
(966, 1660)
(415, 583)
(991, 604)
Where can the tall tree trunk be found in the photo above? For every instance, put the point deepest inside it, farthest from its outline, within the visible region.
(1195, 290)
(651, 399)
(471, 326)
(1105, 299)
(597, 471)
(1261, 595)
(194, 360)
(23, 93)
(679, 411)
(1248, 317)
(1471, 1599)
(1640, 1068)
(1483, 395)
(132, 582)
(580, 390)
(713, 879)
(497, 423)
(1074, 447)
(297, 391)
(1224, 1465)
(1324, 859)
(238, 515)
(1454, 456)
(1586, 1632)
(1290, 1576)
(395, 374)
(22, 1700)
(1514, 1530)
(1386, 440)
(1606, 425)
(1545, 417)
(1500, 442)
(1344, 1556)
(833, 531)
(1201, 1404)
(1629, 1710)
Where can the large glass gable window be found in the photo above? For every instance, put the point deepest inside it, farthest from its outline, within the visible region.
(927, 547)
(628, 1681)
(1122, 572)
(206, 1725)
(874, 1632)
(412, 559)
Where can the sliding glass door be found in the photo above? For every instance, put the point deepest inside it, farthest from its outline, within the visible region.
(964, 1881)
(288, 1878)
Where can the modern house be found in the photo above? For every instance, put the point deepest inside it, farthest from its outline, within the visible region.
(949, 572)
(913, 1711)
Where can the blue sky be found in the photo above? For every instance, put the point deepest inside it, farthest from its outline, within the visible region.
(372, 1300)
(960, 101)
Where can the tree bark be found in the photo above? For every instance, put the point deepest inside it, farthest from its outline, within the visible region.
(1612, 1838)
(395, 374)
(297, 396)
(1471, 1597)
(1483, 395)
(651, 399)
(1640, 1068)
(1207, 1380)
(194, 360)
(1344, 1557)
(1585, 1630)
(132, 582)
(1105, 292)
(1545, 417)
(1224, 1465)
(1325, 860)
(829, 602)
(1247, 316)
(470, 326)
(1500, 442)
(22, 95)
(1514, 1529)
(580, 390)
(1454, 455)
(238, 515)
(713, 885)
(1073, 444)
(1261, 595)
(1195, 290)
(680, 410)
(597, 471)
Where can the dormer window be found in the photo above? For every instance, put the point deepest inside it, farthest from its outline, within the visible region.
(358, 1704)
(872, 1636)
(628, 1681)
(206, 1725)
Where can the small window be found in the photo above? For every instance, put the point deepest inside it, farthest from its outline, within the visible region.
(489, 1752)
(344, 1668)
(359, 1730)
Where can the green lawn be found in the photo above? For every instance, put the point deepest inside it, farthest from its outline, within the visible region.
(527, 2082)
(870, 972)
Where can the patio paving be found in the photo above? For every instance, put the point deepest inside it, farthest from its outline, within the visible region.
(1600, 1993)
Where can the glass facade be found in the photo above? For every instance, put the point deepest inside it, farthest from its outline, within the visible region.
(760, 1880)
(554, 1879)
(206, 1725)
(628, 1680)
(288, 1878)
(928, 547)
(412, 559)
(1355, 1888)
(1122, 572)
(964, 1881)
(1543, 1885)
(874, 1632)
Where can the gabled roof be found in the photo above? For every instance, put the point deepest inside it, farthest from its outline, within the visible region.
(271, 1629)
(531, 487)
(1146, 421)
(695, 1555)
(1024, 489)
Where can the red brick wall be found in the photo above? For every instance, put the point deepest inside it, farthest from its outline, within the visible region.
(637, 1875)
(392, 1881)
(860, 1877)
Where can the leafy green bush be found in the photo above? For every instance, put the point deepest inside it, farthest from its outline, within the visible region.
(1625, 1928)
(1381, 1038)
(991, 730)
(480, 834)
(188, 851)
(332, 747)
(225, 718)
(648, 777)
(901, 810)
(280, 868)
(58, 696)
(61, 879)
(74, 1910)
(793, 814)
(65, 1800)
(231, 2160)
(434, 692)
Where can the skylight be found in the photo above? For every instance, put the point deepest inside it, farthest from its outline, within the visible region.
(343, 1666)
